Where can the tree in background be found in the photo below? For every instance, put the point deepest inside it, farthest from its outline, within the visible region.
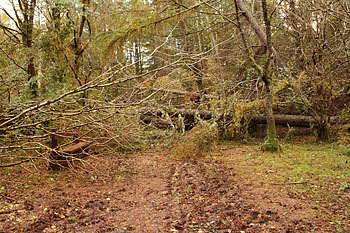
(92, 64)
(23, 34)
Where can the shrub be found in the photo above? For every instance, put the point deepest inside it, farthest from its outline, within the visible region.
(201, 139)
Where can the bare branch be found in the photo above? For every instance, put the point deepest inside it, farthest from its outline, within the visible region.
(259, 32)
(13, 60)
(14, 164)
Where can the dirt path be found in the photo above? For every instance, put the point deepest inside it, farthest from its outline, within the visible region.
(144, 201)
(157, 194)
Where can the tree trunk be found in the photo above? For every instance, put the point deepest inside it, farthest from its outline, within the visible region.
(153, 115)
(271, 143)
(263, 39)
(259, 32)
(298, 52)
(56, 16)
(138, 57)
(28, 10)
(78, 48)
(295, 120)
(194, 65)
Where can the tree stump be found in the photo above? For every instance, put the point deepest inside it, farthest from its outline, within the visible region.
(62, 158)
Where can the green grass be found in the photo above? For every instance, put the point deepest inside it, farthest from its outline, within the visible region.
(316, 173)
(313, 162)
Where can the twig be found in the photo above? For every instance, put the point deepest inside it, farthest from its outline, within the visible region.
(8, 198)
(13, 60)
(14, 164)
(297, 182)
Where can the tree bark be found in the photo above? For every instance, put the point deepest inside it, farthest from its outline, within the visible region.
(61, 158)
(26, 26)
(295, 120)
(259, 32)
(153, 116)
(188, 47)
(78, 48)
(298, 52)
(271, 143)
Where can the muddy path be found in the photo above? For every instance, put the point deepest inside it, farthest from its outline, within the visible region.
(157, 194)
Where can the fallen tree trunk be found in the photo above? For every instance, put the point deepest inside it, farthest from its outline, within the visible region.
(156, 122)
(185, 113)
(291, 120)
(295, 120)
(153, 116)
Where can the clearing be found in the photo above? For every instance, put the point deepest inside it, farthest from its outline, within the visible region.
(236, 188)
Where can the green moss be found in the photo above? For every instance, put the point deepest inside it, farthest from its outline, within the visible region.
(323, 132)
(271, 143)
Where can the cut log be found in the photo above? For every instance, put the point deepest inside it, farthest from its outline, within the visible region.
(77, 148)
(156, 122)
(62, 158)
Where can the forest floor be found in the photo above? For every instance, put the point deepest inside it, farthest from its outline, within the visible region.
(236, 188)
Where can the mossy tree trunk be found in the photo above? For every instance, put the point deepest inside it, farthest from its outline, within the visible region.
(271, 143)
(323, 129)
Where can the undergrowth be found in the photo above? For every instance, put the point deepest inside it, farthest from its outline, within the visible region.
(199, 140)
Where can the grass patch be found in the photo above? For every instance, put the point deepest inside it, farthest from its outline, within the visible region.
(316, 173)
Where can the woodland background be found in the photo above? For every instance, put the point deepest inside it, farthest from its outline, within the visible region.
(116, 71)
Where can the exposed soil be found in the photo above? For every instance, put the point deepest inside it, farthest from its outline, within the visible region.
(149, 192)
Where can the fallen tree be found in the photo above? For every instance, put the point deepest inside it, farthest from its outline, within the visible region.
(156, 122)
(186, 113)
(296, 120)
(154, 117)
